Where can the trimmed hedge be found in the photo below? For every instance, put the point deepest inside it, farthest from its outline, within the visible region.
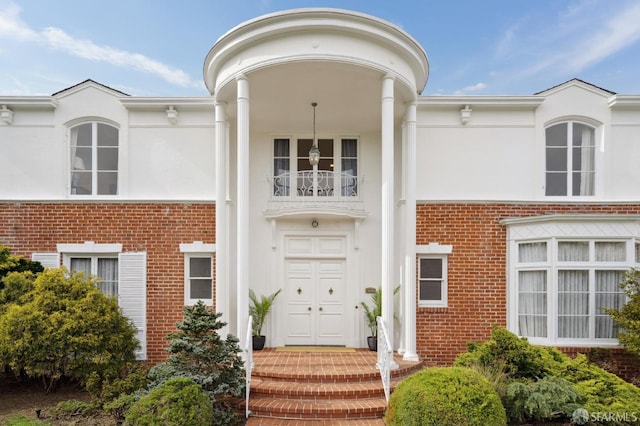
(445, 396)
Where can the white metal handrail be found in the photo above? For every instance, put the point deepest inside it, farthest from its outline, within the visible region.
(385, 355)
(248, 363)
(319, 185)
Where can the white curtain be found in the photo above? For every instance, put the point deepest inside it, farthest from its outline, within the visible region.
(608, 295)
(532, 303)
(281, 167)
(107, 271)
(573, 304)
(587, 171)
(349, 163)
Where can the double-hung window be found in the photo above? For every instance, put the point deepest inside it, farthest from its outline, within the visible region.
(104, 267)
(432, 275)
(570, 159)
(198, 272)
(94, 159)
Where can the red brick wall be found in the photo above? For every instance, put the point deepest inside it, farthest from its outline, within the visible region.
(155, 228)
(476, 269)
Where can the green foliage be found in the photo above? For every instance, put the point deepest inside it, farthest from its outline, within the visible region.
(112, 384)
(627, 318)
(177, 402)
(519, 357)
(603, 391)
(72, 407)
(200, 354)
(599, 390)
(373, 311)
(10, 263)
(545, 399)
(25, 421)
(118, 407)
(448, 396)
(64, 327)
(259, 309)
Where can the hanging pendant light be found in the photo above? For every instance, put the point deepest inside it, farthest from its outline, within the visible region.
(314, 152)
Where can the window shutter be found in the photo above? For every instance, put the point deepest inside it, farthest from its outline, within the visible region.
(132, 294)
(48, 260)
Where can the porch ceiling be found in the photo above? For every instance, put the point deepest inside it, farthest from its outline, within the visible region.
(348, 97)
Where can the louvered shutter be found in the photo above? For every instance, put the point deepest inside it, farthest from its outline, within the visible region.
(132, 294)
(48, 260)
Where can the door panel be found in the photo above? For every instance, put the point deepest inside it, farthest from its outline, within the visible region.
(315, 292)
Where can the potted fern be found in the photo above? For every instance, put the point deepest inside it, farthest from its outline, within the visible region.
(371, 314)
(259, 309)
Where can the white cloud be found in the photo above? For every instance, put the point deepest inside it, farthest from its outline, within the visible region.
(12, 28)
(473, 88)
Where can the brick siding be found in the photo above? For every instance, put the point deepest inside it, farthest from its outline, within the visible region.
(155, 228)
(477, 275)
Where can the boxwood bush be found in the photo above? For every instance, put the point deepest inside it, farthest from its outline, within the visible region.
(177, 402)
(445, 396)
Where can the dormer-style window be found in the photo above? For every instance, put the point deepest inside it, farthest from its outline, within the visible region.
(94, 159)
(570, 159)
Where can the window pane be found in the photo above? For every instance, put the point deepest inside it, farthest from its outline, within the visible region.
(556, 184)
(430, 290)
(326, 148)
(574, 251)
(200, 289)
(573, 304)
(108, 273)
(107, 135)
(608, 295)
(431, 268)
(200, 267)
(583, 183)
(583, 135)
(556, 159)
(556, 135)
(108, 159)
(82, 135)
(107, 183)
(532, 252)
(611, 251)
(532, 303)
(80, 264)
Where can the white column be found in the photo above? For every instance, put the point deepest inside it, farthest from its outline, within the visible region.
(222, 222)
(409, 295)
(242, 206)
(387, 212)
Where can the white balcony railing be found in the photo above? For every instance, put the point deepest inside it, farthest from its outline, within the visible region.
(248, 363)
(385, 356)
(320, 188)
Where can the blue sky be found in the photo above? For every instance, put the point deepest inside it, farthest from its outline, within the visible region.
(157, 47)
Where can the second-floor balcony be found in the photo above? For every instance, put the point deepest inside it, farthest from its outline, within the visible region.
(321, 191)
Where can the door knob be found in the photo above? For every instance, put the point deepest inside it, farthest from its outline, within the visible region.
(331, 291)
(309, 308)
(299, 290)
(320, 308)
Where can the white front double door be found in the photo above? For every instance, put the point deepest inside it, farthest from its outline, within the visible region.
(315, 293)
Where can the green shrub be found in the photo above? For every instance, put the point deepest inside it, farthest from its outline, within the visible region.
(600, 390)
(65, 327)
(178, 402)
(627, 318)
(603, 391)
(199, 353)
(72, 407)
(25, 421)
(545, 399)
(520, 359)
(448, 396)
(112, 384)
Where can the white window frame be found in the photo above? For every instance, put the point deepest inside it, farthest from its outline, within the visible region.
(555, 229)
(197, 249)
(568, 149)
(94, 156)
(435, 251)
(92, 251)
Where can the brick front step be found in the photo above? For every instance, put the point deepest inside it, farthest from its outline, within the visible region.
(320, 389)
(313, 409)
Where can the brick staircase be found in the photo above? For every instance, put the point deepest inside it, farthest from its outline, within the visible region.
(299, 388)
